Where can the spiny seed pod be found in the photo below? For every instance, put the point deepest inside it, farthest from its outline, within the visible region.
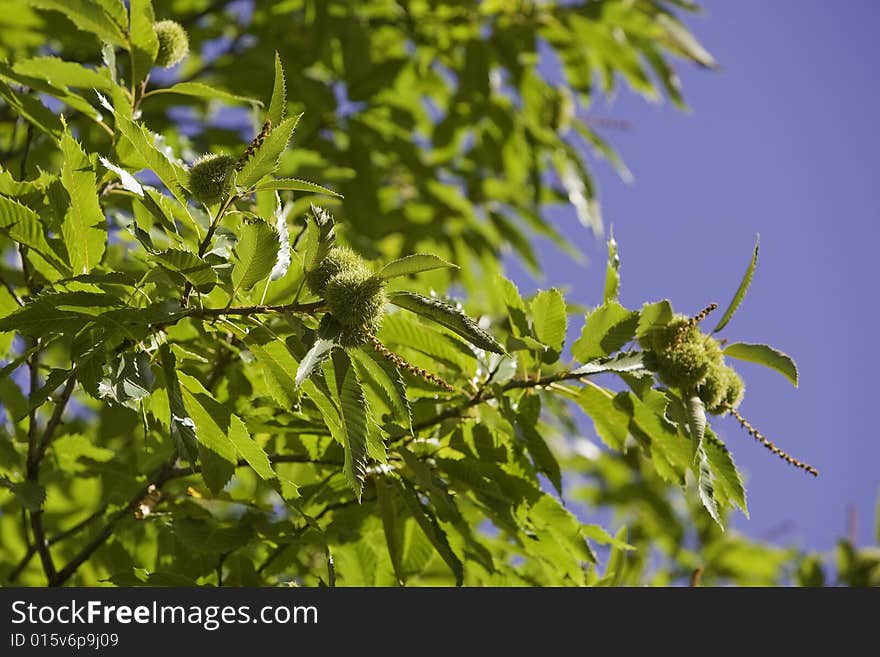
(210, 177)
(721, 390)
(735, 390)
(680, 354)
(356, 299)
(173, 43)
(713, 388)
(339, 259)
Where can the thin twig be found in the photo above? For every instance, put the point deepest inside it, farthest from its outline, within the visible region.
(55, 419)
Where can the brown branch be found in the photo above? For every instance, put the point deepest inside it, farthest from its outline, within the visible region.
(55, 419)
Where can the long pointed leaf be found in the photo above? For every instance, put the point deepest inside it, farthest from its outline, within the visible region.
(84, 227)
(325, 340)
(354, 420)
(413, 264)
(278, 104)
(448, 316)
(256, 254)
(741, 290)
(766, 355)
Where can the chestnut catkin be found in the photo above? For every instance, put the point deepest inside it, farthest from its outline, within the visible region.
(210, 177)
(173, 43)
(339, 259)
(356, 299)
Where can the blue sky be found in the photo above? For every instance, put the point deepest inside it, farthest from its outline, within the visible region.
(781, 141)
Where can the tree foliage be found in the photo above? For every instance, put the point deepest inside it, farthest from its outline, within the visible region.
(297, 359)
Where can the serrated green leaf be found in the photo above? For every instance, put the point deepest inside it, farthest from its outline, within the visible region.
(265, 159)
(741, 290)
(87, 16)
(33, 111)
(729, 486)
(405, 333)
(129, 381)
(75, 451)
(84, 226)
(329, 412)
(255, 254)
(706, 486)
(392, 526)
(183, 433)
(129, 182)
(696, 413)
(23, 225)
(66, 312)
(612, 273)
(610, 422)
(7, 305)
(528, 412)
(200, 90)
(212, 422)
(278, 104)
(559, 535)
(670, 450)
(354, 420)
(249, 450)
(516, 308)
(448, 316)
(195, 270)
(29, 493)
(429, 525)
(413, 264)
(325, 340)
(607, 329)
(602, 537)
(625, 362)
(142, 37)
(615, 570)
(320, 237)
(654, 315)
(766, 355)
(294, 185)
(116, 10)
(61, 73)
(680, 39)
(277, 365)
(143, 143)
(549, 319)
(386, 378)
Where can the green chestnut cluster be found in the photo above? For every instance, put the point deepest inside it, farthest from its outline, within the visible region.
(687, 359)
(210, 177)
(173, 43)
(355, 297)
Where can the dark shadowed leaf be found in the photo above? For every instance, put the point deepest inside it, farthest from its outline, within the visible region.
(448, 316)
